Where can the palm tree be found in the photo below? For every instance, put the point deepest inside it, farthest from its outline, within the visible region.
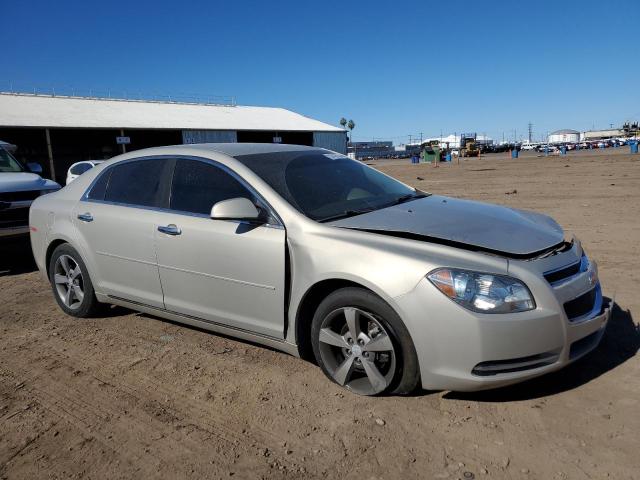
(351, 125)
(343, 122)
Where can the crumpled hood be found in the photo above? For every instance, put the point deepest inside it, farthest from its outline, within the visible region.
(490, 227)
(21, 181)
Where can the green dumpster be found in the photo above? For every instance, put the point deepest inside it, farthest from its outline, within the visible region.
(430, 153)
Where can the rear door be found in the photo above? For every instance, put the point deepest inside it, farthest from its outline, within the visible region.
(116, 223)
(223, 271)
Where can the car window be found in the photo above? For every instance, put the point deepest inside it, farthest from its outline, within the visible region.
(80, 168)
(197, 186)
(140, 183)
(8, 163)
(99, 188)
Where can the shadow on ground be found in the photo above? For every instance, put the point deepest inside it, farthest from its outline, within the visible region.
(16, 256)
(620, 342)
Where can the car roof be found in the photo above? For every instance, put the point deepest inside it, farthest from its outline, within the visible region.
(9, 147)
(214, 150)
(238, 149)
(95, 162)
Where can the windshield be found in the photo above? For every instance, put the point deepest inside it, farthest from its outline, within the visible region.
(325, 186)
(8, 163)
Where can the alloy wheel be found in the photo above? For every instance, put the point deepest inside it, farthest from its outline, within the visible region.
(357, 350)
(67, 277)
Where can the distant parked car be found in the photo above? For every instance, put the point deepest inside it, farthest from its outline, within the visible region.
(79, 168)
(528, 146)
(19, 186)
(549, 148)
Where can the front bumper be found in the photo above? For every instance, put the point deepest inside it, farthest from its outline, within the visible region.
(14, 218)
(464, 351)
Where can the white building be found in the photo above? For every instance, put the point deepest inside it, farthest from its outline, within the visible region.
(64, 130)
(600, 134)
(564, 136)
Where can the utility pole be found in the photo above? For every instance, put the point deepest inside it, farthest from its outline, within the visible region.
(420, 138)
(530, 131)
(409, 139)
(52, 169)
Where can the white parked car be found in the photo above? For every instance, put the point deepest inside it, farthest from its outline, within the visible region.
(79, 168)
(548, 148)
(528, 146)
(19, 186)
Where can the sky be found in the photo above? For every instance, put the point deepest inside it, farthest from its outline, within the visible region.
(395, 68)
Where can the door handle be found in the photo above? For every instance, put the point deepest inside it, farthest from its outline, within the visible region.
(85, 217)
(170, 229)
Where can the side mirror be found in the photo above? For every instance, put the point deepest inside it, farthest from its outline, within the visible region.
(235, 209)
(34, 168)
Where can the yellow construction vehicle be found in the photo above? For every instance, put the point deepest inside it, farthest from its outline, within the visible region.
(469, 145)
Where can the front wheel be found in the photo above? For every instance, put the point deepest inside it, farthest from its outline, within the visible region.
(361, 343)
(72, 287)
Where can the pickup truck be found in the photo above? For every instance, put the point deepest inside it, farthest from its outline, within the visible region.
(20, 185)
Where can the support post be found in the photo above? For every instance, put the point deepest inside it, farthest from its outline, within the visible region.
(50, 152)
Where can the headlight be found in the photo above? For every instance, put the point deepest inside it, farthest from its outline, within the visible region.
(483, 292)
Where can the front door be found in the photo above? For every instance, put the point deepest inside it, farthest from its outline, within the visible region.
(226, 272)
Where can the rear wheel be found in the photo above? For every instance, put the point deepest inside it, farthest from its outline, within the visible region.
(72, 287)
(361, 344)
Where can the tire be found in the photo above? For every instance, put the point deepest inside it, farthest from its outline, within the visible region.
(67, 272)
(382, 360)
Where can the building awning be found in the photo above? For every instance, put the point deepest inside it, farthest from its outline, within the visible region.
(25, 110)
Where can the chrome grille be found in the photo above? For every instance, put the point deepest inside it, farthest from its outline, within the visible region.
(565, 272)
(19, 196)
(581, 305)
(15, 217)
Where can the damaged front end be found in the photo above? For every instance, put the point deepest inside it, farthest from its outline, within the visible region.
(563, 246)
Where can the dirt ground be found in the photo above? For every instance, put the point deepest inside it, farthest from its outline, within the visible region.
(132, 396)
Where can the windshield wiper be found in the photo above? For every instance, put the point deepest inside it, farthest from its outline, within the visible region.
(408, 198)
(353, 213)
(345, 214)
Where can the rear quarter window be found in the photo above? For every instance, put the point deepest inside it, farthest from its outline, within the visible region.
(99, 188)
